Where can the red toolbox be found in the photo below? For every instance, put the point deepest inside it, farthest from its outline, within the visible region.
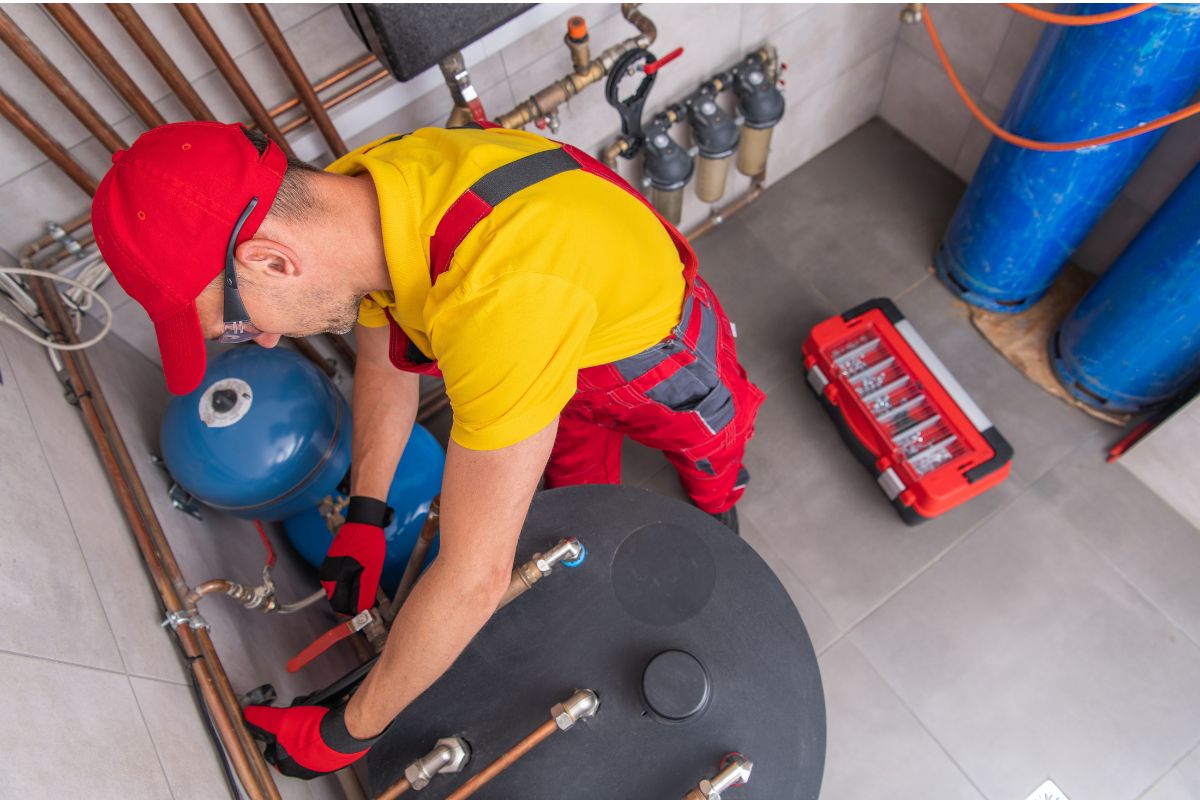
(903, 414)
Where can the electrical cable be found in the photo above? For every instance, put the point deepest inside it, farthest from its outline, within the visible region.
(77, 284)
(1034, 144)
(1081, 19)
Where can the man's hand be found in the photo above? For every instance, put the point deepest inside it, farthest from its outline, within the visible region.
(485, 496)
(351, 569)
(305, 741)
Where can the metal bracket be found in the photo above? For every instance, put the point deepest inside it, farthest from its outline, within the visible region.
(185, 616)
(69, 242)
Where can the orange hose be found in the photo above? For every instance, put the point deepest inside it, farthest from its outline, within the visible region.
(1079, 20)
(1034, 144)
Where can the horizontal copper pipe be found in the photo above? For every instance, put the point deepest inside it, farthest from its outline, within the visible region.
(43, 141)
(340, 98)
(233, 75)
(158, 58)
(295, 74)
(341, 74)
(397, 789)
(729, 210)
(49, 75)
(74, 26)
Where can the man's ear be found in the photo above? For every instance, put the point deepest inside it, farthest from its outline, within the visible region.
(267, 258)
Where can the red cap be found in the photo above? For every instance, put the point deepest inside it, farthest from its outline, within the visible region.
(162, 218)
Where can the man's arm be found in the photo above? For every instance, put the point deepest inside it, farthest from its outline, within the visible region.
(485, 496)
(384, 407)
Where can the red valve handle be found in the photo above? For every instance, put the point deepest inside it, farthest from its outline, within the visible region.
(662, 62)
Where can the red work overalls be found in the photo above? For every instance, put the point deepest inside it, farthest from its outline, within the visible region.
(687, 395)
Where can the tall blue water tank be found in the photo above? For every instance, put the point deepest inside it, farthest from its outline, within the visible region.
(418, 479)
(1133, 341)
(265, 435)
(1025, 212)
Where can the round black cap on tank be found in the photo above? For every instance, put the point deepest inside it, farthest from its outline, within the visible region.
(676, 687)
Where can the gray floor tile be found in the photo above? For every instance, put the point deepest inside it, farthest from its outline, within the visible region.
(70, 731)
(1147, 541)
(827, 519)
(113, 559)
(1181, 783)
(51, 606)
(877, 749)
(184, 748)
(822, 630)
(1025, 655)
(1042, 429)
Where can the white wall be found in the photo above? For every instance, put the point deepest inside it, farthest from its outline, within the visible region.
(989, 47)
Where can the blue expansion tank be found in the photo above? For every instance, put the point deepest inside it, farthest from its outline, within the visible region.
(418, 479)
(265, 435)
(1025, 212)
(1133, 341)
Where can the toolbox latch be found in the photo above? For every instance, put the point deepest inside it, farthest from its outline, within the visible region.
(891, 484)
(817, 380)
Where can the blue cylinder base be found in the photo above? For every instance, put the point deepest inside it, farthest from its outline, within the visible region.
(417, 480)
(1091, 394)
(963, 286)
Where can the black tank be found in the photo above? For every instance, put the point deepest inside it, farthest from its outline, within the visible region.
(690, 641)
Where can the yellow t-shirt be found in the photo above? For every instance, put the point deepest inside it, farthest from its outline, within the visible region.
(568, 273)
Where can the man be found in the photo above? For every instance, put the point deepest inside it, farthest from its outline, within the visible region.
(561, 311)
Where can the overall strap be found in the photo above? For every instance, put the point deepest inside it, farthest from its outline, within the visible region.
(485, 194)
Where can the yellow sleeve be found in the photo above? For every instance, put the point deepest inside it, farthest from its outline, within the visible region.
(510, 354)
(370, 313)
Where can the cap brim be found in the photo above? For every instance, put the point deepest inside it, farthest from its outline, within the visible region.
(181, 344)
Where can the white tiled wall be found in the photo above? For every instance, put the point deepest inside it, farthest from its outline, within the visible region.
(989, 47)
(838, 56)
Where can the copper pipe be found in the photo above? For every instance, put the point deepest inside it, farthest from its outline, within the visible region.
(158, 58)
(488, 773)
(49, 75)
(431, 403)
(295, 75)
(49, 146)
(156, 553)
(548, 99)
(341, 74)
(729, 210)
(306, 349)
(339, 99)
(46, 240)
(343, 349)
(74, 26)
(416, 559)
(233, 75)
(608, 156)
(395, 790)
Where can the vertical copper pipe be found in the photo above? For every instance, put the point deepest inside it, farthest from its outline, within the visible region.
(228, 68)
(203, 661)
(48, 74)
(295, 75)
(306, 349)
(74, 26)
(46, 143)
(158, 58)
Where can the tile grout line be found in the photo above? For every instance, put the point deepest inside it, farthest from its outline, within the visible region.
(919, 721)
(153, 739)
(1194, 749)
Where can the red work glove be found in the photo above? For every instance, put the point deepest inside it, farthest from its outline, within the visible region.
(351, 570)
(305, 741)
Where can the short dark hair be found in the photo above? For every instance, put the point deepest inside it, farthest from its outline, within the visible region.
(295, 200)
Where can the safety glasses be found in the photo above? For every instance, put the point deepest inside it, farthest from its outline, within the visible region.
(238, 327)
